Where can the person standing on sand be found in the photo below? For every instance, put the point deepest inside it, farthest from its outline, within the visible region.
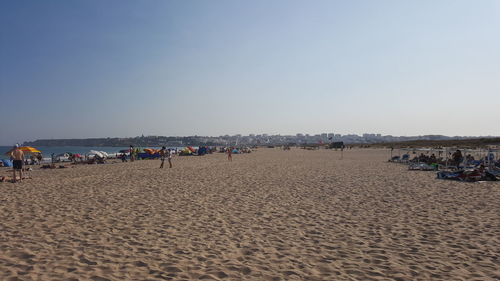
(18, 156)
(229, 154)
(163, 155)
(457, 158)
(132, 152)
(169, 158)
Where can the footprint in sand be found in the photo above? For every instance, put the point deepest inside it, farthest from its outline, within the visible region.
(99, 278)
(140, 264)
(86, 261)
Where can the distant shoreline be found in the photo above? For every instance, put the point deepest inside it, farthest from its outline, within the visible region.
(265, 140)
(479, 142)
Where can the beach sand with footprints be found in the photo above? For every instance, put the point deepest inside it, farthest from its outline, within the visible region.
(268, 215)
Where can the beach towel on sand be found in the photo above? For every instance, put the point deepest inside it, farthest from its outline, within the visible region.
(469, 176)
(422, 167)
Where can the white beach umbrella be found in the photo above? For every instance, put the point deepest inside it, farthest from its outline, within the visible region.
(95, 152)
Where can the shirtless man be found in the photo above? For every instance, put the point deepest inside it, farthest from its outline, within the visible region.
(18, 157)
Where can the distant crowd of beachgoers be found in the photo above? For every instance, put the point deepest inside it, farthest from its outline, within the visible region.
(22, 158)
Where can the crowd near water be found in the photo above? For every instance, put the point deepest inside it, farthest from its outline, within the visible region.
(62, 152)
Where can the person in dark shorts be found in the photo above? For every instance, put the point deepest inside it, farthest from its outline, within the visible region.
(17, 156)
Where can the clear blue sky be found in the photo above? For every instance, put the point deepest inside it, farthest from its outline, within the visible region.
(97, 68)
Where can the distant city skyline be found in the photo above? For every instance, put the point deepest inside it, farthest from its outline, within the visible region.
(352, 137)
(81, 69)
(239, 139)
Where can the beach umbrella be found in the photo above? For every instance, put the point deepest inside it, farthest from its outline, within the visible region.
(95, 152)
(27, 149)
(150, 150)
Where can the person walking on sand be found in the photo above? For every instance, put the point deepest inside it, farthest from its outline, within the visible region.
(229, 154)
(18, 156)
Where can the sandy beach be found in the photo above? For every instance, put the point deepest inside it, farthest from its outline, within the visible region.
(268, 215)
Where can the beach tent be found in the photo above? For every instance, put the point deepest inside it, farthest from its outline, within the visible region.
(7, 163)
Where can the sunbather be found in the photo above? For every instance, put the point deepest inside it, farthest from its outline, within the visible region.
(11, 179)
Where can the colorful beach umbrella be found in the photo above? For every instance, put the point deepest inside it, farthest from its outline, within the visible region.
(150, 150)
(27, 149)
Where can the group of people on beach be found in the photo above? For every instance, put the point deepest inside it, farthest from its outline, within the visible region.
(166, 154)
(455, 166)
(454, 159)
(18, 157)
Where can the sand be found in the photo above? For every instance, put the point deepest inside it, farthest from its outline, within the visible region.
(268, 215)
